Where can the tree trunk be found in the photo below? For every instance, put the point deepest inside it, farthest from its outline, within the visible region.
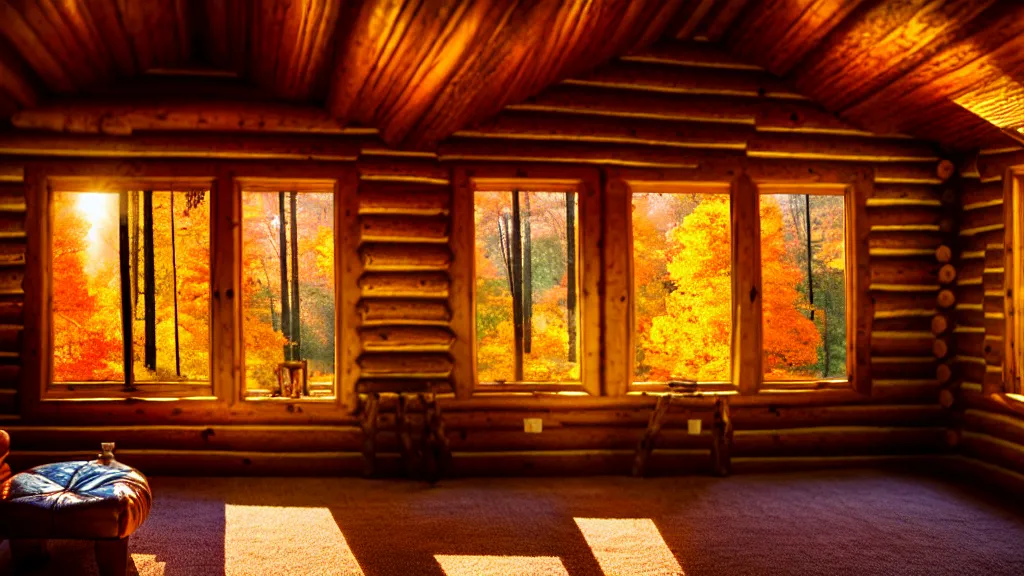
(149, 277)
(517, 286)
(134, 201)
(126, 285)
(570, 266)
(174, 275)
(286, 317)
(296, 316)
(527, 277)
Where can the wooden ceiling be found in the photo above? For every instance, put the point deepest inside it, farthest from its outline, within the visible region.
(951, 71)
(418, 70)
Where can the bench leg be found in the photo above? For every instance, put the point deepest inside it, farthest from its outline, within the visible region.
(112, 557)
(28, 553)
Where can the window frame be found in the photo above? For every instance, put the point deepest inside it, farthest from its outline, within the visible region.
(747, 352)
(1013, 283)
(222, 397)
(462, 298)
(247, 184)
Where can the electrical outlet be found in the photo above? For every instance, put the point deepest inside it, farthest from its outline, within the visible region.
(533, 425)
(693, 427)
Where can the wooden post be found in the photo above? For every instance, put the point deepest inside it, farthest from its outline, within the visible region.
(859, 302)
(746, 281)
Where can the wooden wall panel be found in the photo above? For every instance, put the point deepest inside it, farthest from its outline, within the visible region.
(988, 426)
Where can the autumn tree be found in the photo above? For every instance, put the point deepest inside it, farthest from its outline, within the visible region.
(683, 286)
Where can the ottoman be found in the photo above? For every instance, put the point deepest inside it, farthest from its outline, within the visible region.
(101, 500)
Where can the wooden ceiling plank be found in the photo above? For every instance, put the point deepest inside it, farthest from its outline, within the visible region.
(358, 52)
(425, 45)
(15, 77)
(723, 17)
(992, 30)
(379, 70)
(60, 40)
(22, 36)
(1007, 60)
(686, 31)
(809, 30)
(466, 31)
(110, 30)
(922, 35)
(77, 21)
(757, 33)
(133, 20)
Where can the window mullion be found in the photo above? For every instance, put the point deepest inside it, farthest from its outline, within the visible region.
(746, 286)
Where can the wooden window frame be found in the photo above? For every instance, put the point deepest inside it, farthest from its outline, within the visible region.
(223, 397)
(747, 373)
(462, 299)
(245, 184)
(1013, 282)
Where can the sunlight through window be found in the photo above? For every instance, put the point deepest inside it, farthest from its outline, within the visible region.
(628, 546)
(280, 540)
(501, 565)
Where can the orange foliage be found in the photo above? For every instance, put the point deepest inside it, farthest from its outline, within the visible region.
(87, 333)
(683, 286)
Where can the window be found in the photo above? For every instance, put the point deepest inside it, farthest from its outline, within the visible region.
(803, 257)
(288, 293)
(526, 254)
(692, 299)
(131, 303)
(527, 286)
(682, 279)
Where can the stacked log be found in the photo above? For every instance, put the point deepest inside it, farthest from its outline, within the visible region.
(12, 272)
(404, 317)
(989, 426)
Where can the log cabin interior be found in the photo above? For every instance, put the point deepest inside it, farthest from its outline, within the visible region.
(556, 287)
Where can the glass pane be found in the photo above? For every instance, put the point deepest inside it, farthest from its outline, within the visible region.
(682, 281)
(295, 325)
(533, 337)
(804, 309)
(171, 319)
(87, 341)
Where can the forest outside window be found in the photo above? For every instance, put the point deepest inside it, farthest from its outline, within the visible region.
(527, 287)
(130, 290)
(288, 293)
(803, 279)
(684, 270)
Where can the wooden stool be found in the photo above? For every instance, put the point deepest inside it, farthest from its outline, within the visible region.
(721, 431)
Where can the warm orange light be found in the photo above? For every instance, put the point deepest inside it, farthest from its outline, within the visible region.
(501, 565)
(281, 540)
(628, 546)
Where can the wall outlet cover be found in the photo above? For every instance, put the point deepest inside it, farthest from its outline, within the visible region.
(693, 427)
(533, 425)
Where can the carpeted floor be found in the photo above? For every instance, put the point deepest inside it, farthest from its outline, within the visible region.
(828, 523)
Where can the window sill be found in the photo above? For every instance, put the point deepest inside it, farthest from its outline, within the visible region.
(126, 397)
(289, 400)
(513, 387)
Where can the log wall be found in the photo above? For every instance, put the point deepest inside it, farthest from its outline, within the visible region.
(688, 113)
(988, 426)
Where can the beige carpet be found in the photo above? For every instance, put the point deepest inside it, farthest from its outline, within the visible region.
(827, 523)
